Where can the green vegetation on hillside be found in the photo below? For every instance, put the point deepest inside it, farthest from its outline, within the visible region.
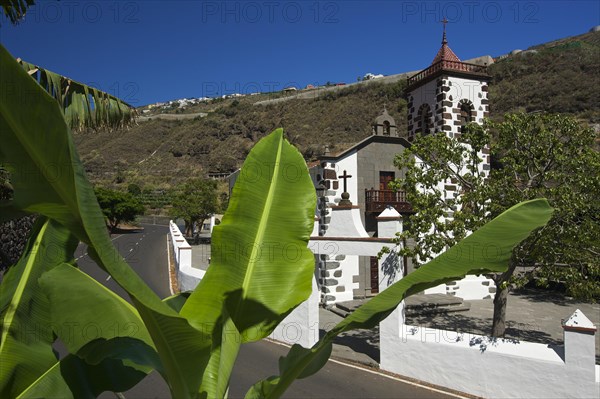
(163, 153)
(562, 77)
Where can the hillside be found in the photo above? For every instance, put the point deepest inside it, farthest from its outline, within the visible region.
(161, 152)
(561, 76)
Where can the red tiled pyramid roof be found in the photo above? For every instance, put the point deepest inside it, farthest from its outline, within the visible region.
(445, 53)
(446, 60)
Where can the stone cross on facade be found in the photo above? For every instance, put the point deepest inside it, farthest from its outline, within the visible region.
(345, 195)
(345, 177)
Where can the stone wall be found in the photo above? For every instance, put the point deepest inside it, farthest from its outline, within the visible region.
(13, 237)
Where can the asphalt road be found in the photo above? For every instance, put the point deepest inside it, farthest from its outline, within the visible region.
(259, 360)
(145, 251)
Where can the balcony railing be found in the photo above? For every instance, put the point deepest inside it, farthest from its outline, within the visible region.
(449, 66)
(378, 200)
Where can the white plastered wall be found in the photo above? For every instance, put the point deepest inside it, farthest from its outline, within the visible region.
(350, 165)
(489, 367)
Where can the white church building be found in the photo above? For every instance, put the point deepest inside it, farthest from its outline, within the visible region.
(352, 186)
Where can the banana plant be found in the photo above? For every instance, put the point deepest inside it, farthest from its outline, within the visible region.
(15, 10)
(250, 287)
(267, 208)
(83, 106)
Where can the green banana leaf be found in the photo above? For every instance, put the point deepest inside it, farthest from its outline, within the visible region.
(487, 250)
(83, 106)
(26, 337)
(48, 178)
(15, 10)
(113, 348)
(100, 314)
(176, 301)
(261, 268)
(35, 304)
(73, 378)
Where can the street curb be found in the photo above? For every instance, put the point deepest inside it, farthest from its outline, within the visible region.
(370, 368)
(171, 271)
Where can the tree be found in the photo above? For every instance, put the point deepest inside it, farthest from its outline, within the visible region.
(134, 190)
(196, 201)
(441, 220)
(118, 206)
(551, 156)
(536, 155)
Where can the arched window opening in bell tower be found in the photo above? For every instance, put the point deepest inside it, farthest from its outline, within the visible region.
(465, 116)
(386, 128)
(425, 120)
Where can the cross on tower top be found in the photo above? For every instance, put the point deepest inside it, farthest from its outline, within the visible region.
(444, 21)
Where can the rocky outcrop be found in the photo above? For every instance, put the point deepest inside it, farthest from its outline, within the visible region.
(13, 236)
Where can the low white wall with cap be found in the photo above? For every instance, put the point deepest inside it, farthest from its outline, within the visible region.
(187, 276)
(494, 367)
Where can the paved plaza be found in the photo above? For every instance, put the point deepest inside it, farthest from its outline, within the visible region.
(200, 256)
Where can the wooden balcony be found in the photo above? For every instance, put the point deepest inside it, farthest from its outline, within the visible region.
(377, 200)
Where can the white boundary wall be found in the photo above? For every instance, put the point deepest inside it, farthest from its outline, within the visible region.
(488, 367)
(187, 276)
(469, 288)
(301, 326)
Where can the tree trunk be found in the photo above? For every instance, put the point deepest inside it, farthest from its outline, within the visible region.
(113, 225)
(500, 299)
(499, 325)
(200, 225)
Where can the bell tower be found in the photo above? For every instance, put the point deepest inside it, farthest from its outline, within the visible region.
(385, 125)
(447, 95)
(443, 99)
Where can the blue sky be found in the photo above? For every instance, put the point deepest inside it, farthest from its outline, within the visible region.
(150, 51)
